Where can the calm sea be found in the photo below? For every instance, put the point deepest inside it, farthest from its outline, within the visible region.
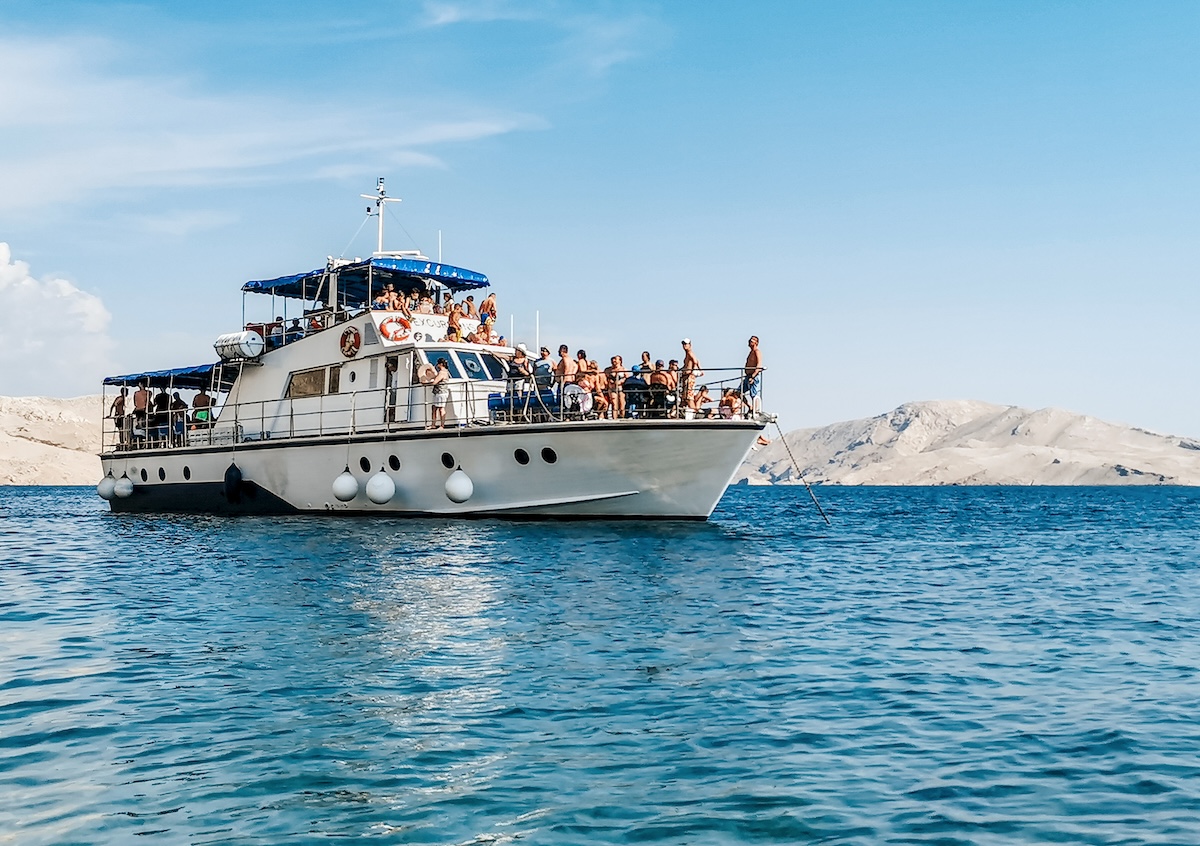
(945, 665)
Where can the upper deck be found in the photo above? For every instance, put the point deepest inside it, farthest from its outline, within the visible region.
(355, 353)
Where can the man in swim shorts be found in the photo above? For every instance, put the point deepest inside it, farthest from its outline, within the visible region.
(752, 380)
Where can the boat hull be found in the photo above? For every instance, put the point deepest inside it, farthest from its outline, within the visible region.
(641, 469)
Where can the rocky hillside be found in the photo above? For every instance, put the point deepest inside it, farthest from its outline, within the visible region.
(55, 441)
(49, 441)
(977, 443)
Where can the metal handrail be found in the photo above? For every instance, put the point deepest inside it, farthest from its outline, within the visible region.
(468, 403)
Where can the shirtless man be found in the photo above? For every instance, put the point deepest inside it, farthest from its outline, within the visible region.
(469, 310)
(660, 385)
(566, 369)
(688, 373)
(614, 377)
(454, 321)
(201, 408)
(752, 381)
(141, 404)
(487, 308)
(117, 412)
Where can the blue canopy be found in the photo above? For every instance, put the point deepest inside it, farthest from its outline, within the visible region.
(187, 378)
(404, 273)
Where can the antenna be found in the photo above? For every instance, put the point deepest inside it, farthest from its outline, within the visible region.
(381, 199)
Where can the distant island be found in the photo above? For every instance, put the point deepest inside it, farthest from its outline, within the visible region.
(961, 442)
(45, 441)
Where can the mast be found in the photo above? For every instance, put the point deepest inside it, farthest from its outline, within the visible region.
(381, 199)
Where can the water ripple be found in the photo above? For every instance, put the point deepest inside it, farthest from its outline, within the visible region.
(942, 666)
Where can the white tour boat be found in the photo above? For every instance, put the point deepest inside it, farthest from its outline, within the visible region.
(329, 411)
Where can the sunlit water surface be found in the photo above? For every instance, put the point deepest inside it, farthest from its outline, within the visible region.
(940, 666)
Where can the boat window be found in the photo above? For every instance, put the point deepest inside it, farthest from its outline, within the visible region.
(495, 366)
(306, 383)
(432, 357)
(335, 378)
(471, 363)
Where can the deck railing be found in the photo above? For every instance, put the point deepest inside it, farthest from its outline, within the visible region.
(470, 403)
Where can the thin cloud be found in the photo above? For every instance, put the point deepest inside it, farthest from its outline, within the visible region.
(72, 125)
(587, 40)
(56, 340)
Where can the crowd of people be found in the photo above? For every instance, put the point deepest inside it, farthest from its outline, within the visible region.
(159, 419)
(650, 388)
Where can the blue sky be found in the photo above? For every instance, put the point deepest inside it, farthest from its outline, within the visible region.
(906, 201)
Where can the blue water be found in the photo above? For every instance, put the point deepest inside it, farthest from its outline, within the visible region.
(941, 666)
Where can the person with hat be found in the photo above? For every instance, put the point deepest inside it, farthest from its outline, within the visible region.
(519, 370)
(543, 369)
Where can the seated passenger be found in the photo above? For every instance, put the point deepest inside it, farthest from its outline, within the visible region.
(294, 332)
(700, 399)
(275, 334)
(731, 402)
(425, 305)
(201, 408)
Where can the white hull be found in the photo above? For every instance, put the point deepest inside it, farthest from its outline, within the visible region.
(662, 469)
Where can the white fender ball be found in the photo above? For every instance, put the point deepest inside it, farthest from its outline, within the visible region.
(459, 486)
(106, 486)
(381, 488)
(345, 486)
(123, 487)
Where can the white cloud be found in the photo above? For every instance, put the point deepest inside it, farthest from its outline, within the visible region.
(55, 336)
(71, 126)
(587, 40)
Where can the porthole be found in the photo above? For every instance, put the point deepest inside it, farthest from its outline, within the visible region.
(187, 472)
(365, 464)
(394, 462)
(162, 474)
(145, 475)
(447, 460)
(549, 456)
(353, 375)
(521, 456)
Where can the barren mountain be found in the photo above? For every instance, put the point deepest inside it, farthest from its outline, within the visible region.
(49, 441)
(977, 443)
(54, 442)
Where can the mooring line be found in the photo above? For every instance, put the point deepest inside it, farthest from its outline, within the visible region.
(800, 472)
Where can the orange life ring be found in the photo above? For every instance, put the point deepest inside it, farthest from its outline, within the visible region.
(395, 328)
(351, 341)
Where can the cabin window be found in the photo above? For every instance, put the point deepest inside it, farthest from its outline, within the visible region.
(472, 364)
(432, 357)
(494, 365)
(306, 383)
(335, 378)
